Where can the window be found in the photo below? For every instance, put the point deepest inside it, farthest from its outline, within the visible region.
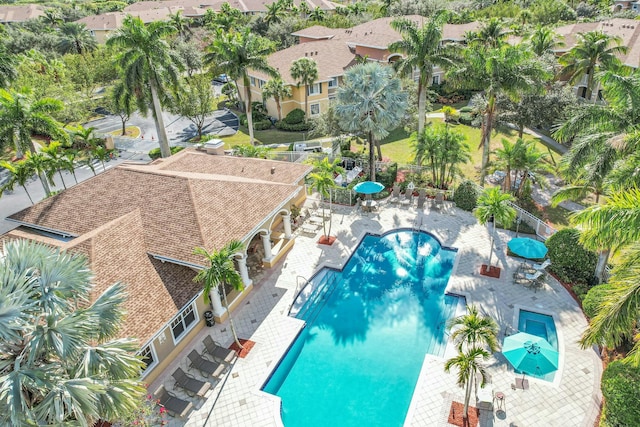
(182, 322)
(253, 81)
(315, 109)
(315, 89)
(333, 82)
(436, 80)
(148, 357)
(261, 83)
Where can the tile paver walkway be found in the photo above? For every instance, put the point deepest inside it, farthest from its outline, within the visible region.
(571, 400)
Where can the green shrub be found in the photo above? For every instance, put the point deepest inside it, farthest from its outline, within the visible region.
(262, 125)
(388, 175)
(621, 395)
(593, 300)
(295, 117)
(466, 119)
(570, 261)
(466, 109)
(298, 127)
(466, 196)
(155, 152)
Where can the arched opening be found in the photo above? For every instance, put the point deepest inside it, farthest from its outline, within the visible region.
(255, 254)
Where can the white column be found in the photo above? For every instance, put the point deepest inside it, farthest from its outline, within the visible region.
(286, 222)
(266, 242)
(218, 309)
(244, 272)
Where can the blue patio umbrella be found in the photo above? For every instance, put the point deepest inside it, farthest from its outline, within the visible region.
(530, 354)
(527, 248)
(368, 187)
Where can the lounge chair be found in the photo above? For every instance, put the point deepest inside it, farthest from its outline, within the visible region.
(439, 199)
(395, 194)
(530, 277)
(218, 352)
(422, 196)
(309, 228)
(543, 266)
(190, 384)
(408, 198)
(175, 406)
(206, 367)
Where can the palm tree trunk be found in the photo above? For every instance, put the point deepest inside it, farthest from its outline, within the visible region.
(163, 140)
(16, 143)
(467, 398)
(306, 101)
(231, 324)
(249, 113)
(603, 259)
(124, 127)
(28, 195)
(379, 150)
(486, 139)
(45, 184)
(279, 108)
(493, 233)
(422, 98)
(372, 160)
(62, 179)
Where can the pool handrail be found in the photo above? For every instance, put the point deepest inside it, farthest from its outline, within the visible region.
(298, 291)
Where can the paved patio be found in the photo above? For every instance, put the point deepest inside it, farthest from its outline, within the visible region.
(572, 399)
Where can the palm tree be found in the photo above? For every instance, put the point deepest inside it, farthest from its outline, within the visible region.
(370, 101)
(594, 51)
(322, 180)
(276, 89)
(305, 71)
(21, 117)
(61, 364)
(469, 366)
(491, 34)
(236, 53)
(423, 50)
(616, 224)
(102, 154)
(56, 159)
(75, 38)
(472, 330)
(543, 40)
(507, 158)
(317, 15)
(68, 162)
(442, 150)
(226, 20)
(180, 24)
(221, 273)
(19, 173)
(259, 152)
(509, 70)
(147, 65)
(275, 13)
(493, 204)
(52, 17)
(41, 165)
(531, 163)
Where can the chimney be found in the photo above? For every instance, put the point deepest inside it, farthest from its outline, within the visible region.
(215, 147)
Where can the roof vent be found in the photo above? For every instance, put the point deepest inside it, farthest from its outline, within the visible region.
(273, 170)
(316, 53)
(305, 54)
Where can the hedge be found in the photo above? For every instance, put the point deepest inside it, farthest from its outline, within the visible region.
(262, 125)
(155, 152)
(295, 117)
(621, 395)
(570, 261)
(298, 127)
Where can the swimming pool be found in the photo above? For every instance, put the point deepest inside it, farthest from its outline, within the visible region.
(540, 325)
(368, 328)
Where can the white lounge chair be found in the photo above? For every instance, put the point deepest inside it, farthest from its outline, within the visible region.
(543, 266)
(395, 194)
(408, 198)
(422, 196)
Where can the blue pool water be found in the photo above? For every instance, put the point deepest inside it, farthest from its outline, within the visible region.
(368, 329)
(540, 325)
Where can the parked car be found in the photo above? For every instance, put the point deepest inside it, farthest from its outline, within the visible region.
(221, 78)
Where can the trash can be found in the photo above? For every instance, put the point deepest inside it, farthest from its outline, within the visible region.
(208, 318)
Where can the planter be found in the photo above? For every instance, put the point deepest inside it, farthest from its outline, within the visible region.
(490, 271)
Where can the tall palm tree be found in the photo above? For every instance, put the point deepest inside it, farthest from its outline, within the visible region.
(19, 173)
(41, 165)
(228, 19)
(147, 65)
(442, 150)
(423, 50)
(531, 162)
(322, 180)
(236, 53)
(370, 101)
(493, 204)
(469, 367)
(491, 34)
(276, 89)
(180, 24)
(68, 162)
(509, 70)
(53, 17)
(594, 51)
(219, 273)
(55, 157)
(305, 71)
(543, 40)
(473, 330)
(275, 13)
(61, 361)
(75, 38)
(616, 224)
(317, 14)
(507, 158)
(21, 117)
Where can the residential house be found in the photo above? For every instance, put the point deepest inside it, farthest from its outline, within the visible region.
(139, 224)
(628, 30)
(20, 13)
(335, 50)
(620, 5)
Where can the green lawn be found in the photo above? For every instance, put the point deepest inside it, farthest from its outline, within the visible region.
(398, 145)
(270, 136)
(437, 108)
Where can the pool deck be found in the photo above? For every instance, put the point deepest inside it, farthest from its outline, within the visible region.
(573, 398)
